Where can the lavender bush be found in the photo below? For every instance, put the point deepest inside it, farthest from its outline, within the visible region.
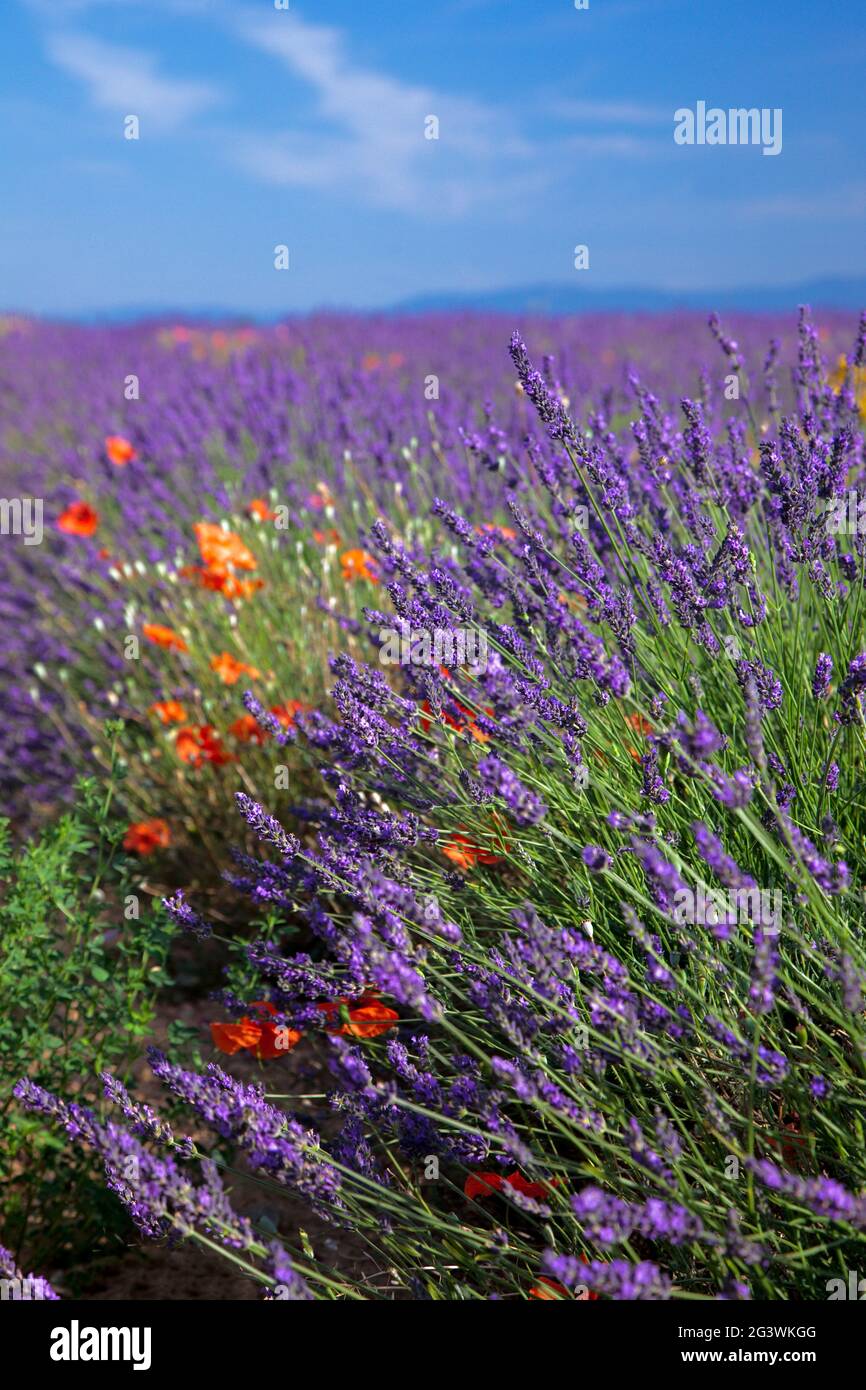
(586, 920)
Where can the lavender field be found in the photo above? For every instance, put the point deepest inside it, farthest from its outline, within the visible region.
(433, 757)
(432, 677)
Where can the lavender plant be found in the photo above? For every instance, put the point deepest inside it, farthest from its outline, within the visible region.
(130, 437)
(586, 920)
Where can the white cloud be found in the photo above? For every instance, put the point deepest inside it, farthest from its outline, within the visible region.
(376, 146)
(625, 113)
(844, 204)
(125, 80)
(59, 10)
(608, 144)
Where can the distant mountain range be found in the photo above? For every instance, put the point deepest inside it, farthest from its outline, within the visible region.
(579, 298)
(576, 297)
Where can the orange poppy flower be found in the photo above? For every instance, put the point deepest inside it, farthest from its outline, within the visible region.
(506, 532)
(232, 1037)
(147, 835)
(248, 730)
(639, 724)
(466, 854)
(221, 580)
(462, 726)
(168, 711)
(285, 713)
(356, 565)
(79, 519)
(331, 537)
(482, 1184)
(220, 548)
(370, 361)
(199, 744)
(164, 637)
(119, 450)
(260, 510)
(232, 587)
(368, 1018)
(230, 670)
(266, 1039)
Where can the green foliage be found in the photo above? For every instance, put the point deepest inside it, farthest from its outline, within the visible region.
(82, 955)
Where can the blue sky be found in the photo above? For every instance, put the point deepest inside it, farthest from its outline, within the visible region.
(305, 127)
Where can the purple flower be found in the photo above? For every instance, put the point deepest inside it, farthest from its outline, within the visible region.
(823, 1196)
(18, 1286)
(184, 917)
(616, 1279)
(762, 989)
(272, 1141)
(653, 788)
(287, 1283)
(849, 691)
(822, 676)
(498, 779)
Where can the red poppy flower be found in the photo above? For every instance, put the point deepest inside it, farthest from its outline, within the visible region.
(248, 730)
(145, 836)
(482, 1184)
(368, 1018)
(200, 743)
(792, 1145)
(267, 1040)
(461, 724)
(79, 519)
(465, 853)
(551, 1288)
(286, 712)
